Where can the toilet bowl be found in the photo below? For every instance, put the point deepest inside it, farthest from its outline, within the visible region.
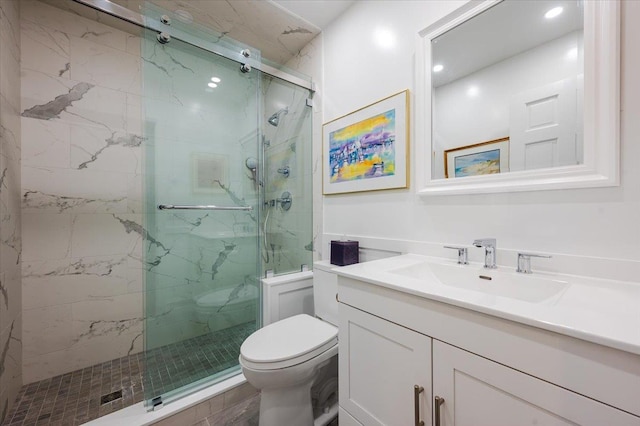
(227, 307)
(285, 359)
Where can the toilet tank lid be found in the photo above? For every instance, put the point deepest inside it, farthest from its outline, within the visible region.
(288, 338)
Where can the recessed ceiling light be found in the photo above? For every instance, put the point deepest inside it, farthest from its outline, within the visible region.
(215, 79)
(212, 85)
(552, 13)
(438, 68)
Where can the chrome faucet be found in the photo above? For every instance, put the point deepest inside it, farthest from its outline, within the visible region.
(524, 261)
(462, 254)
(489, 245)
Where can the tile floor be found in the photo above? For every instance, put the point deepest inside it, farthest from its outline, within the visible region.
(245, 413)
(75, 398)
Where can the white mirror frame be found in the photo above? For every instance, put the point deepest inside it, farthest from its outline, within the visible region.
(600, 167)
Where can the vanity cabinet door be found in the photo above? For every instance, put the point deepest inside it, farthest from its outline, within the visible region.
(480, 392)
(380, 363)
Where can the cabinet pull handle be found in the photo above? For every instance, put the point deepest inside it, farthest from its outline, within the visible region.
(417, 390)
(438, 402)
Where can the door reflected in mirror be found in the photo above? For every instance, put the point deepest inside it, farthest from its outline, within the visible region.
(508, 90)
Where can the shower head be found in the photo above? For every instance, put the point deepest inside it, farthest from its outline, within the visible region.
(251, 163)
(275, 118)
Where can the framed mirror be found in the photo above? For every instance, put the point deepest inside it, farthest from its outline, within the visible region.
(519, 95)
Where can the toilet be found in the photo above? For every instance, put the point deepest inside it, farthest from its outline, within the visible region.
(288, 360)
(224, 308)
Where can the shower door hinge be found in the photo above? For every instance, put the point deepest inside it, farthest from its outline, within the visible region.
(156, 403)
(309, 102)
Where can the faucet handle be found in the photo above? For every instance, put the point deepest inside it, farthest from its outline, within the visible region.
(524, 261)
(462, 254)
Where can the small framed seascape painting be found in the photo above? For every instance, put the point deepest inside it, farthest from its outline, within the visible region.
(483, 158)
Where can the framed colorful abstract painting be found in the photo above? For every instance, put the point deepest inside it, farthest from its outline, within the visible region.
(483, 158)
(368, 149)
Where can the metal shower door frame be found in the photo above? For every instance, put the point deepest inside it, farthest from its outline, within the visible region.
(149, 23)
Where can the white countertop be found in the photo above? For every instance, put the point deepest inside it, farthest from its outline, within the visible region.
(605, 312)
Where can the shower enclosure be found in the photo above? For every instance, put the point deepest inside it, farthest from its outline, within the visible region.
(219, 209)
(167, 171)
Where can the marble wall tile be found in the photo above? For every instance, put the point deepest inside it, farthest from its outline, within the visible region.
(82, 355)
(56, 282)
(134, 117)
(48, 97)
(47, 329)
(135, 193)
(10, 220)
(10, 359)
(134, 44)
(73, 24)
(102, 65)
(45, 49)
(96, 148)
(45, 143)
(76, 335)
(51, 190)
(9, 74)
(46, 236)
(10, 30)
(11, 137)
(82, 179)
(104, 234)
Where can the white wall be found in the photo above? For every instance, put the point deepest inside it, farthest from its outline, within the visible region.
(593, 222)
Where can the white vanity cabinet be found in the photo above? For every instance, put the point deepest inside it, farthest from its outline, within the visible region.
(380, 365)
(479, 392)
(490, 371)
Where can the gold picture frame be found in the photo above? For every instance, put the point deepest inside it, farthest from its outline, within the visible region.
(368, 149)
(482, 158)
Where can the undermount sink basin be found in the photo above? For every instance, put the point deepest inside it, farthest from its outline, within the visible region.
(512, 285)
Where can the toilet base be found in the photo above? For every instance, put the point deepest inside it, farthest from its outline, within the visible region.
(286, 406)
(286, 393)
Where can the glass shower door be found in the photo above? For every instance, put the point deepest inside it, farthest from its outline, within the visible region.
(201, 262)
(287, 241)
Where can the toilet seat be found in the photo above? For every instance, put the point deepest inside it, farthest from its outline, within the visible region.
(226, 297)
(288, 342)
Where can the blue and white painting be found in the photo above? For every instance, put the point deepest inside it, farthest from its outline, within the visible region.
(481, 163)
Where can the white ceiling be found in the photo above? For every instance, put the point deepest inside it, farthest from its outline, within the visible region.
(320, 13)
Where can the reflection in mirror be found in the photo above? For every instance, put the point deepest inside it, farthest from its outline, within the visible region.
(507, 90)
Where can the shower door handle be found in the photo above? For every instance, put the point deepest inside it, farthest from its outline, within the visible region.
(173, 207)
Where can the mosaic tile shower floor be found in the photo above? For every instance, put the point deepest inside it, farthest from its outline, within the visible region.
(75, 398)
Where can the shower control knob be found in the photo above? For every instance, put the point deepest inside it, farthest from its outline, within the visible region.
(164, 38)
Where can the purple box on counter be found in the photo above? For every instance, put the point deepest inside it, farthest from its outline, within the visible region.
(344, 252)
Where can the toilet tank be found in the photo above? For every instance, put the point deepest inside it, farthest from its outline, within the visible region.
(325, 289)
(284, 296)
